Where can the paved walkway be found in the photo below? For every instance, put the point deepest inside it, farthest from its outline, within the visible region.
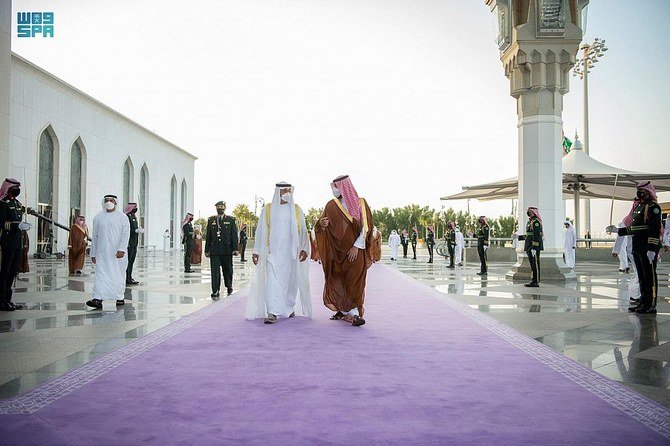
(424, 370)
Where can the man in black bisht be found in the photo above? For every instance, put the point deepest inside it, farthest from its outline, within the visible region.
(220, 247)
(188, 240)
(11, 240)
(133, 241)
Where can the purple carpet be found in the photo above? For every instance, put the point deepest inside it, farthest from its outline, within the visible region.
(423, 370)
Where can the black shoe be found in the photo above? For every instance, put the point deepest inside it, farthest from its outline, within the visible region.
(646, 310)
(627, 270)
(230, 291)
(358, 321)
(482, 273)
(532, 284)
(4, 306)
(292, 314)
(242, 260)
(120, 302)
(215, 296)
(337, 316)
(621, 270)
(271, 319)
(94, 304)
(451, 267)
(131, 282)
(189, 271)
(634, 307)
(15, 306)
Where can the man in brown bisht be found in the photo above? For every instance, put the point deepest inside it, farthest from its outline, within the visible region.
(344, 238)
(76, 243)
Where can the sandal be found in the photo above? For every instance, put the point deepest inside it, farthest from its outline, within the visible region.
(337, 316)
(358, 321)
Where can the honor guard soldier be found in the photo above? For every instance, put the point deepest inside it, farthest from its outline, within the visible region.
(644, 224)
(413, 239)
(483, 233)
(133, 241)
(430, 242)
(533, 244)
(243, 242)
(11, 240)
(188, 240)
(450, 237)
(220, 247)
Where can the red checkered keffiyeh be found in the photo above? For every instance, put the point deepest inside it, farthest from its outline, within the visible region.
(350, 197)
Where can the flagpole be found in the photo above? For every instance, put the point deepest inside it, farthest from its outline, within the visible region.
(616, 179)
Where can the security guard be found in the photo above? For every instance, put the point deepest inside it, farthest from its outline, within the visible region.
(644, 224)
(533, 244)
(220, 247)
(483, 233)
(11, 240)
(188, 240)
(450, 237)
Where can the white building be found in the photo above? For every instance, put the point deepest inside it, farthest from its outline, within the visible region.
(69, 150)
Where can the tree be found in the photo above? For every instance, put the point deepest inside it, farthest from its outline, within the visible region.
(244, 216)
(312, 216)
(203, 224)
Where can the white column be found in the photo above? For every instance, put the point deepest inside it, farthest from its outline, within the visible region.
(5, 65)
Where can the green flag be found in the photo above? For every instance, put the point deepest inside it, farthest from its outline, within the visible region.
(566, 145)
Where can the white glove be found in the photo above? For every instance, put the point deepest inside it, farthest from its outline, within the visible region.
(486, 247)
(25, 226)
(611, 229)
(139, 230)
(651, 255)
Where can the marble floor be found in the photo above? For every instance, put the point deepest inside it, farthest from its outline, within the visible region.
(585, 320)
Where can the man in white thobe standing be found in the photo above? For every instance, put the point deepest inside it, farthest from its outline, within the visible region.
(111, 232)
(281, 278)
(570, 244)
(394, 242)
(460, 245)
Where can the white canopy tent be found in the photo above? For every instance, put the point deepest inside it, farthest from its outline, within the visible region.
(583, 177)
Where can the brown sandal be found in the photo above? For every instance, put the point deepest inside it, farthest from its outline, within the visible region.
(337, 316)
(358, 321)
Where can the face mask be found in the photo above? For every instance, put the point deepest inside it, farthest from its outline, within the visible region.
(641, 195)
(15, 192)
(220, 211)
(109, 205)
(336, 192)
(286, 197)
(134, 211)
(530, 214)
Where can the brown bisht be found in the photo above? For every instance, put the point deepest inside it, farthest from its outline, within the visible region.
(344, 289)
(77, 244)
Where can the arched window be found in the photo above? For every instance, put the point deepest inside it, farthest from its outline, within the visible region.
(76, 179)
(183, 199)
(128, 175)
(144, 193)
(173, 210)
(46, 194)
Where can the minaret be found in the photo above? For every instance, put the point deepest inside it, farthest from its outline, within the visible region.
(5, 63)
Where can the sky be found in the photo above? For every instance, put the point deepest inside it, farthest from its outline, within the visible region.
(407, 97)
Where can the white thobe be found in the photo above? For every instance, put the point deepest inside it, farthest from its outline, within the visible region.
(569, 246)
(280, 278)
(621, 250)
(111, 231)
(460, 244)
(394, 241)
(166, 242)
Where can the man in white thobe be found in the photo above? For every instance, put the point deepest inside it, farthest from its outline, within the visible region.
(460, 245)
(111, 231)
(570, 244)
(281, 279)
(394, 242)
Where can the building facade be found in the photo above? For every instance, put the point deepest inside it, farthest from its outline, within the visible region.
(69, 150)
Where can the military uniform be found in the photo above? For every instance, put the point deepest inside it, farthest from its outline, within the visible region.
(532, 245)
(243, 244)
(450, 237)
(483, 233)
(413, 240)
(11, 244)
(430, 242)
(404, 241)
(646, 232)
(133, 241)
(220, 244)
(188, 240)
